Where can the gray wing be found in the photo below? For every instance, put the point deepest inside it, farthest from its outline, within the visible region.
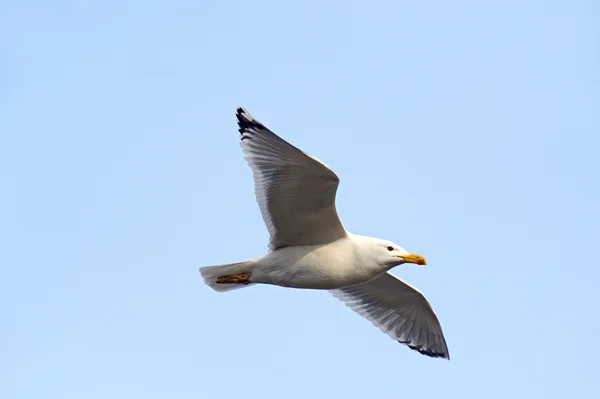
(400, 311)
(295, 191)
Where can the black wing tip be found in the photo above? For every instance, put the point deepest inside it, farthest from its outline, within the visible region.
(241, 112)
(246, 121)
(442, 355)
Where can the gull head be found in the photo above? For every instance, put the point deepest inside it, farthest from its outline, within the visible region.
(387, 254)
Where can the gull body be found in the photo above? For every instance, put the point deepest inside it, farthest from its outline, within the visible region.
(338, 264)
(309, 247)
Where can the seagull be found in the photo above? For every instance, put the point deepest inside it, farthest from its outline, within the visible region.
(309, 248)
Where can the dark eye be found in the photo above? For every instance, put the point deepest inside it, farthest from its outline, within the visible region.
(390, 248)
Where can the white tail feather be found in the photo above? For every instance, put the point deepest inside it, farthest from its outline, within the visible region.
(211, 273)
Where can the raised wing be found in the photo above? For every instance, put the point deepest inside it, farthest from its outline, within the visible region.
(400, 311)
(295, 191)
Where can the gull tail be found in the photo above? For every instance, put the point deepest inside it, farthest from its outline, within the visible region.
(219, 277)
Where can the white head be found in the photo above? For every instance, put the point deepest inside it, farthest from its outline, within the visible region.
(387, 254)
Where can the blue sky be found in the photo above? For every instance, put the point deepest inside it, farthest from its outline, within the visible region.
(465, 131)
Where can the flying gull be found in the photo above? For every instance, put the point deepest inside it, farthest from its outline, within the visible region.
(310, 248)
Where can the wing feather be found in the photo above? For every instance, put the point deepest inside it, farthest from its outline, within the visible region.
(295, 191)
(400, 311)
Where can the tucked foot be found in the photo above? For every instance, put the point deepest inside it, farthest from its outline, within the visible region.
(241, 278)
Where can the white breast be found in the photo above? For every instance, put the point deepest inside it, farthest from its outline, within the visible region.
(326, 266)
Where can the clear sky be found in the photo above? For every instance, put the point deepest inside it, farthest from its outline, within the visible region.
(465, 131)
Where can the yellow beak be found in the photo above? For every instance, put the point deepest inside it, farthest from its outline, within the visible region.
(413, 258)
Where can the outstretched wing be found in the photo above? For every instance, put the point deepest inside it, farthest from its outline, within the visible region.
(400, 311)
(295, 191)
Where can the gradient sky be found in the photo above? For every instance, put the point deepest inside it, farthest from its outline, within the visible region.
(465, 131)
